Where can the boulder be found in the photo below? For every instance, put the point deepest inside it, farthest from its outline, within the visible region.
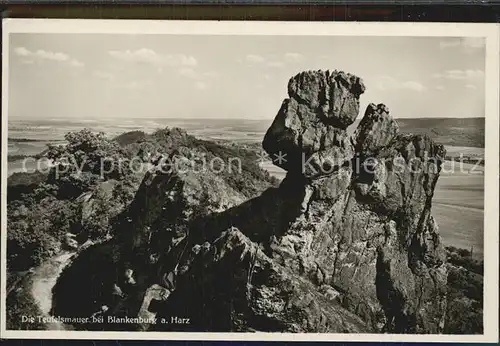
(250, 292)
(333, 96)
(376, 130)
(308, 135)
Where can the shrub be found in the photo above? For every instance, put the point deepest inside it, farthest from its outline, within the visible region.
(463, 317)
(26, 179)
(20, 303)
(130, 137)
(462, 258)
(464, 313)
(466, 283)
(96, 221)
(21, 183)
(35, 231)
(124, 192)
(464, 253)
(89, 153)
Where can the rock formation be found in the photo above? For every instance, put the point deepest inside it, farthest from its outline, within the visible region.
(310, 126)
(346, 243)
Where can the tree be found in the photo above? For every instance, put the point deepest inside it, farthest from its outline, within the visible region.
(35, 232)
(21, 304)
(87, 157)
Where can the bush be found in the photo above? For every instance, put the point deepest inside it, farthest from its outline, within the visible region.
(90, 153)
(43, 208)
(464, 253)
(98, 212)
(26, 179)
(464, 313)
(462, 258)
(131, 137)
(22, 183)
(466, 283)
(464, 317)
(20, 303)
(35, 231)
(124, 192)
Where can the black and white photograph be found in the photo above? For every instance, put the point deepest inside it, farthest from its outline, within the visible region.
(313, 179)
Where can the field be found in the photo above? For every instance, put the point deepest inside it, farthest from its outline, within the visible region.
(466, 132)
(458, 206)
(456, 132)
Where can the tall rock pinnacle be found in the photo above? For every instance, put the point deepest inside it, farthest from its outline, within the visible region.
(365, 221)
(311, 125)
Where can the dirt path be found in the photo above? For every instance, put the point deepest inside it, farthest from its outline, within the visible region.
(44, 278)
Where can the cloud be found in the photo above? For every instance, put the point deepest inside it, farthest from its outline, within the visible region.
(276, 64)
(22, 51)
(439, 87)
(46, 55)
(149, 56)
(133, 85)
(200, 78)
(465, 43)
(56, 56)
(293, 57)
(210, 74)
(471, 86)
(412, 85)
(103, 75)
(389, 83)
(76, 63)
(188, 72)
(200, 85)
(272, 60)
(254, 59)
(460, 74)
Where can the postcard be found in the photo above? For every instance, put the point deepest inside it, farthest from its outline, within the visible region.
(202, 180)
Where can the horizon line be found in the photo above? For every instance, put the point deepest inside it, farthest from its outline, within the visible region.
(194, 118)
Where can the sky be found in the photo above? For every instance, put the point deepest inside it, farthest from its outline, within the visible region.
(89, 76)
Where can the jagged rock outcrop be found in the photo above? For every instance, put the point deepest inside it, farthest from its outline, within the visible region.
(346, 243)
(242, 289)
(376, 130)
(333, 96)
(310, 126)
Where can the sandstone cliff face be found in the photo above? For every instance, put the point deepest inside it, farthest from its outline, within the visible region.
(346, 243)
(365, 226)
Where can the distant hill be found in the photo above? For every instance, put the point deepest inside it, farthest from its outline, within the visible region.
(130, 137)
(463, 132)
(466, 132)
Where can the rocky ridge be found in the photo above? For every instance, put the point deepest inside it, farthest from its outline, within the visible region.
(346, 243)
